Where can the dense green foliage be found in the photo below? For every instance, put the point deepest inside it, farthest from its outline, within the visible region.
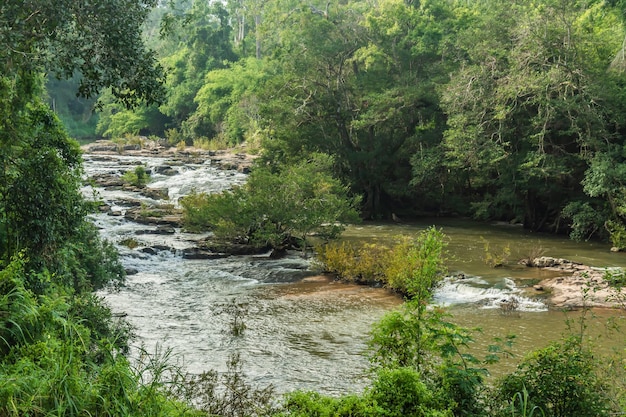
(556, 375)
(53, 361)
(492, 109)
(137, 177)
(502, 110)
(42, 212)
(412, 267)
(395, 392)
(61, 352)
(305, 200)
(418, 348)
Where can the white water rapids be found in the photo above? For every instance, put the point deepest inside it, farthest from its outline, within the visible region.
(301, 333)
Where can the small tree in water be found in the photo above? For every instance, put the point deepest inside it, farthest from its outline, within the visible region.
(276, 208)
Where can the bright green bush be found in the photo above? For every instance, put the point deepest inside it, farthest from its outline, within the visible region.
(364, 263)
(561, 380)
(138, 177)
(412, 267)
(313, 404)
(396, 392)
(276, 208)
(424, 340)
(54, 361)
(400, 392)
(617, 233)
(417, 266)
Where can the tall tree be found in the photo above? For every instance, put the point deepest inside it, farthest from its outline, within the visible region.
(525, 110)
(359, 82)
(41, 207)
(205, 45)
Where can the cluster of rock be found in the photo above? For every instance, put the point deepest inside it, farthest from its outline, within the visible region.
(165, 219)
(579, 286)
(225, 159)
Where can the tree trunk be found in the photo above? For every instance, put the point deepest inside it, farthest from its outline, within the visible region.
(257, 24)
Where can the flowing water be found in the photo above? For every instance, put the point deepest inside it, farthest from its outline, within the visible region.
(303, 331)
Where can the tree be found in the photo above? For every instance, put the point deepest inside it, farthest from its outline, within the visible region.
(228, 102)
(275, 207)
(360, 84)
(525, 110)
(204, 35)
(67, 36)
(76, 113)
(42, 211)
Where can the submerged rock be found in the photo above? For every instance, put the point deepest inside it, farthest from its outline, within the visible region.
(197, 253)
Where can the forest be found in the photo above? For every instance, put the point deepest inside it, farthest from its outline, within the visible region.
(495, 110)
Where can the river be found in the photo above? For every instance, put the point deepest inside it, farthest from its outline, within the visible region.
(303, 331)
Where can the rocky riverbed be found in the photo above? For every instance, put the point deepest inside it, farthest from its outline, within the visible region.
(579, 285)
(225, 159)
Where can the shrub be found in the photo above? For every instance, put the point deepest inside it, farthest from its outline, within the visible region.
(174, 137)
(417, 266)
(364, 263)
(495, 258)
(412, 267)
(139, 177)
(617, 234)
(586, 220)
(401, 392)
(276, 208)
(54, 361)
(394, 393)
(312, 404)
(560, 379)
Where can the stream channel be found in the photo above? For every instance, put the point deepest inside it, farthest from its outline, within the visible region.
(305, 331)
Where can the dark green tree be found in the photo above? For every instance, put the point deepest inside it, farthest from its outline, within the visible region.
(274, 209)
(528, 107)
(360, 83)
(42, 212)
(204, 37)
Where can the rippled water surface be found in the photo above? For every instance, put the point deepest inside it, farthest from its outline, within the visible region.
(303, 331)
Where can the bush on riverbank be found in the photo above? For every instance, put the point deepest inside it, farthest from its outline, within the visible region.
(412, 267)
(138, 177)
(396, 392)
(61, 355)
(561, 379)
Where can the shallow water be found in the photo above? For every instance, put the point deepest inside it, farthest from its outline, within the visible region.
(303, 331)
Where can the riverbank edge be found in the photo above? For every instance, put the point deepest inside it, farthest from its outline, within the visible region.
(580, 285)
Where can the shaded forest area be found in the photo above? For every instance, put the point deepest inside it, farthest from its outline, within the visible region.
(499, 110)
